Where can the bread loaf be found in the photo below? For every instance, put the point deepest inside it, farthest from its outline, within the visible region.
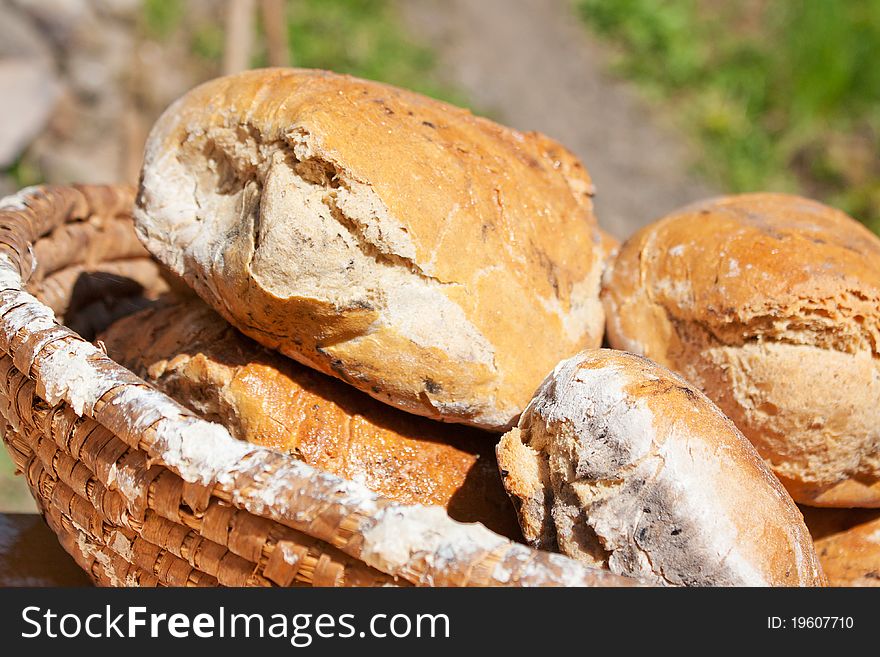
(771, 305)
(396, 242)
(609, 246)
(620, 463)
(848, 544)
(190, 353)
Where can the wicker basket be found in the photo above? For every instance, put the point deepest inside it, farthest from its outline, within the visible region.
(140, 491)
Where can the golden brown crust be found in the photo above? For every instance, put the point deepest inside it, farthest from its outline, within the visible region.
(609, 245)
(849, 493)
(191, 354)
(620, 463)
(848, 544)
(388, 239)
(771, 305)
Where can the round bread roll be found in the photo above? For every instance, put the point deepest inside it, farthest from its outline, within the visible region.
(848, 544)
(620, 463)
(771, 305)
(190, 353)
(396, 242)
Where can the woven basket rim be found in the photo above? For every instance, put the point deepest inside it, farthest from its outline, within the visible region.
(417, 543)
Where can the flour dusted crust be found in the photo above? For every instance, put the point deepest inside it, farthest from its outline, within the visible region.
(401, 244)
(771, 305)
(848, 544)
(620, 463)
(190, 353)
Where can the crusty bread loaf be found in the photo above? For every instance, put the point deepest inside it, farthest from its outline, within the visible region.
(190, 353)
(848, 544)
(396, 242)
(771, 305)
(620, 463)
(609, 245)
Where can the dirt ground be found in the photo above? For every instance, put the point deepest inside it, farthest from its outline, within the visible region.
(531, 64)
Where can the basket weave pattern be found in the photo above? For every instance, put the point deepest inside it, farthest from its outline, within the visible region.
(141, 491)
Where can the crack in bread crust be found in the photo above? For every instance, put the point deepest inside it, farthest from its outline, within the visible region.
(770, 304)
(379, 236)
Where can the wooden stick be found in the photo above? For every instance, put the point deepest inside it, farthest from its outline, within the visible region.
(239, 36)
(275, 25)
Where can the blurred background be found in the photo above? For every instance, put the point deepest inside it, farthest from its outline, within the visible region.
(665, 101)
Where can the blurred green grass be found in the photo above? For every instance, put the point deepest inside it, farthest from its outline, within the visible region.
(14, 494)
(363, 38)
(359, 37)
(162, 17)
(780, 95)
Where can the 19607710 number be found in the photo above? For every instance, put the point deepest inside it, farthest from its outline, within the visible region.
(810, 623)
